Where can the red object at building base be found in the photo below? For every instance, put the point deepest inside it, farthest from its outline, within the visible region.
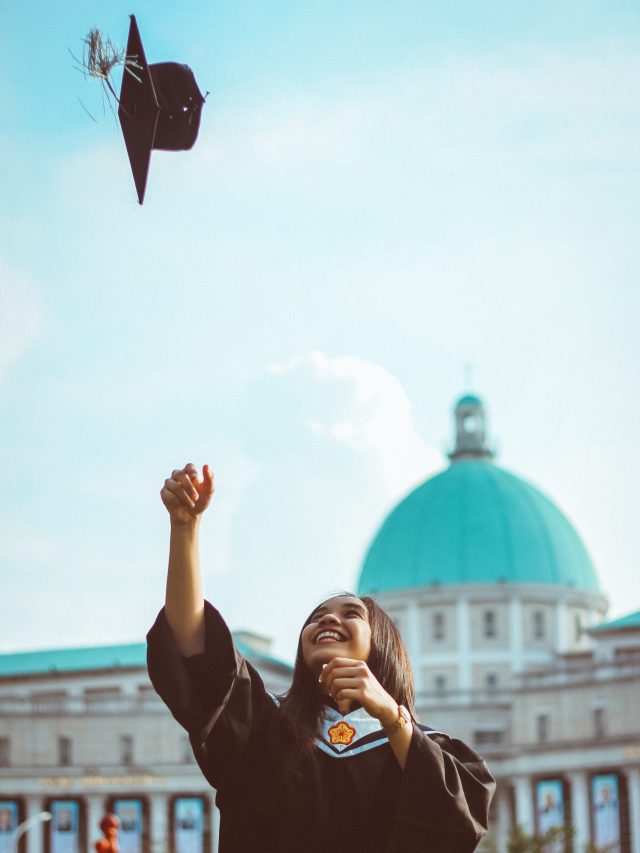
(110, 824)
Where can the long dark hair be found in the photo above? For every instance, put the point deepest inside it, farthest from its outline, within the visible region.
(388, 661)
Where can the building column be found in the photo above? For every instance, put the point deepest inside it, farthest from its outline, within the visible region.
(561, 627)
(412, 641)
(158, 823)
(463, 618)
(34, 837)
(215, 824)
(633, 786)
(516, 643)
(96, 810)
(524, 804)
(503, 819)
(580, 808)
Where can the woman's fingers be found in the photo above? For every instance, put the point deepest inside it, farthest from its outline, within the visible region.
(347, 695)
(208, 481)
(185, 490)
(168, 497)
(355, 686)
(182, 477)
(200, 487)
(348, 681)
(341, 667)
(335, 663)
(182, 492)
(344, 706)
(340, 685)
(352, 683)
(347, 672)
(205, 489)
(192, 473)
(175, 488)
(344, 697)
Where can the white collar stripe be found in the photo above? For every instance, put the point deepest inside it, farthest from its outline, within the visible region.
(363, 732)
(357, 732)
(354, 750)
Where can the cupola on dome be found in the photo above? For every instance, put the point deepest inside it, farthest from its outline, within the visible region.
(475, 523)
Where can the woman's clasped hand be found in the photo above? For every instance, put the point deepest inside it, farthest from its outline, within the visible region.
(351, 681)
(185, 494)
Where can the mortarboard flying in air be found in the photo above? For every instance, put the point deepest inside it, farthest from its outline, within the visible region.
(159, 105)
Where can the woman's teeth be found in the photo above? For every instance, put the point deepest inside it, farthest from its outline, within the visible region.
(328, 636)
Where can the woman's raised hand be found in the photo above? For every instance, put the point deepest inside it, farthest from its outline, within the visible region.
(185, 494)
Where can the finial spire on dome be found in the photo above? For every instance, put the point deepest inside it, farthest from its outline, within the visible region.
(471, 430)
(468, 374)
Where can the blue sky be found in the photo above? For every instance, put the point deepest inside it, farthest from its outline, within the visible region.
(380, 194)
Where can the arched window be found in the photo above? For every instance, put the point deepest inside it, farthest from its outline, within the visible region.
(600, 722)
(489, 623)
(438, 625)
(538, 625)
(5, 752)
(126, 750)
(542, 727)
(65, 751)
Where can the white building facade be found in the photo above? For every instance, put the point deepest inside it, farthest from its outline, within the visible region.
(83, 733)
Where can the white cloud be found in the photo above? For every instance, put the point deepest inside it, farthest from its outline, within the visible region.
(333, 445)
(21, 315)
(374, 420)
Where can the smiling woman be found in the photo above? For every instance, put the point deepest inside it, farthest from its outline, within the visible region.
(340, 762)
(356, 652)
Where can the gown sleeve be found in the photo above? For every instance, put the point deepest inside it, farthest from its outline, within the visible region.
(444, 797)
(217, 696)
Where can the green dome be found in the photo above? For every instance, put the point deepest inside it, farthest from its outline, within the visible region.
(469, 400)
(476, 523)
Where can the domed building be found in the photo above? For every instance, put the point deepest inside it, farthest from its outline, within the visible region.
(482, 571)
(502, 612)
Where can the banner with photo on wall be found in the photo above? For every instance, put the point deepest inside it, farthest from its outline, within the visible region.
(131, 817)
(605, 812)
(9, 821)
(188, 824)
(550, 808)
(64, 826)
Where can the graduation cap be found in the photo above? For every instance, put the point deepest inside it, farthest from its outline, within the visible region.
(159, 107)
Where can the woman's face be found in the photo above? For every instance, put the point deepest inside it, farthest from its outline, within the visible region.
(338, 628)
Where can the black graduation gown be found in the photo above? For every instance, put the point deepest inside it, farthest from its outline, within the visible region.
(350, 793)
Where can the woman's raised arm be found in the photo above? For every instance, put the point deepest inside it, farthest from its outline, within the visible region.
(186, 496)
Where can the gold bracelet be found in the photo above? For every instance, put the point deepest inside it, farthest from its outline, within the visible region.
(404, 718)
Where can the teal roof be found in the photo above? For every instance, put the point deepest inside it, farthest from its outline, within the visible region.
(58, 661)
(469, 400)
(476, 523)
(73, 660)
(624, 623)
